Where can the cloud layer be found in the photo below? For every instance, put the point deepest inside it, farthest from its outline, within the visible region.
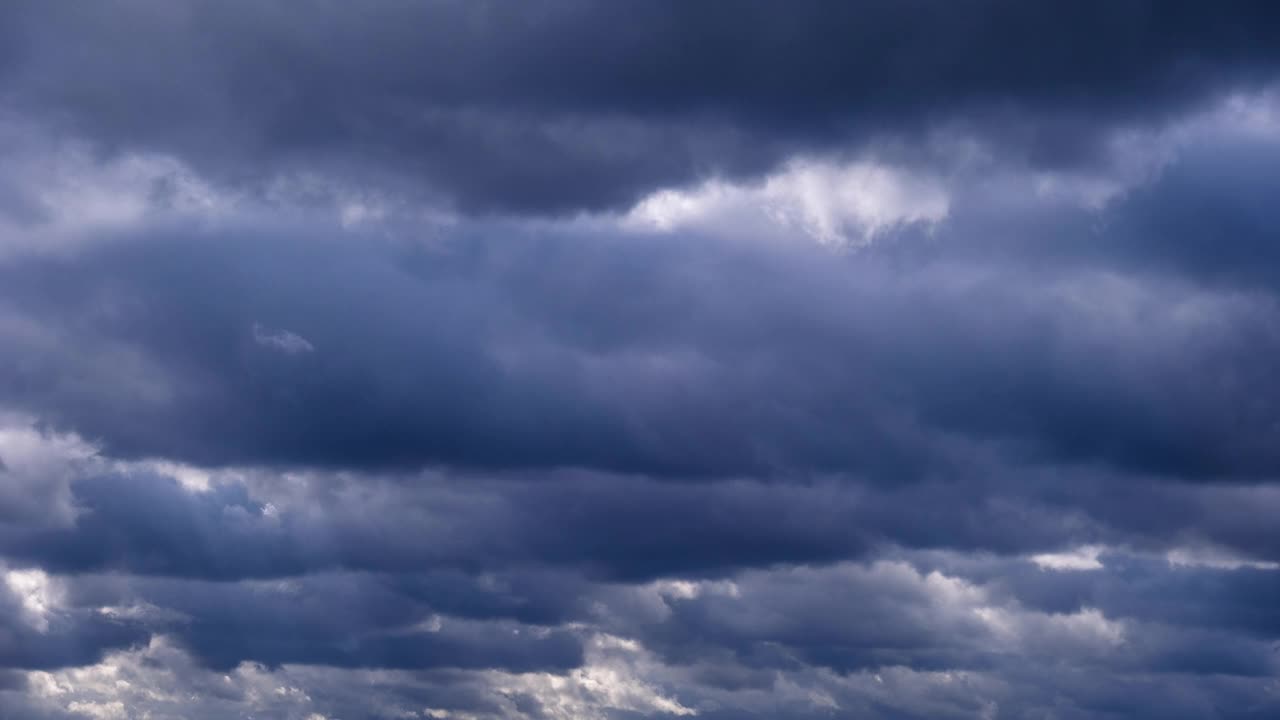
(577, 361)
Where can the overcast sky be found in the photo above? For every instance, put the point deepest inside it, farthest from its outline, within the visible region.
(571, 360)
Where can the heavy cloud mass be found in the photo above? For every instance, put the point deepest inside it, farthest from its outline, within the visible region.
(611, 361)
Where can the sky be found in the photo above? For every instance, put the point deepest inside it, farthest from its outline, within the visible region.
(567, 360)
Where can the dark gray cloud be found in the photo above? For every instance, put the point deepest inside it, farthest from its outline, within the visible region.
(342, 377)
(574, 105)
(654, 355)
(740, 411)
(346, 621)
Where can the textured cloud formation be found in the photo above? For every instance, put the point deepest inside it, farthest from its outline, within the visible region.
(572, 360)
(572, 105)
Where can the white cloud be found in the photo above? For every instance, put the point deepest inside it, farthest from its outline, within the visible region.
(68, 194)
(283, 340)
(36, 469)
(1215, 558)
(100, 711)
(39, 594)
(613, 678)
(1078, 559)
(836, 204)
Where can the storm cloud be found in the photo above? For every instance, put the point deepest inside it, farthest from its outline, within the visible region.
(576, 360)
(570, 106)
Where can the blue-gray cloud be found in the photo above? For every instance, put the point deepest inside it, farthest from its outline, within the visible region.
(575, 105)
(338, 378)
